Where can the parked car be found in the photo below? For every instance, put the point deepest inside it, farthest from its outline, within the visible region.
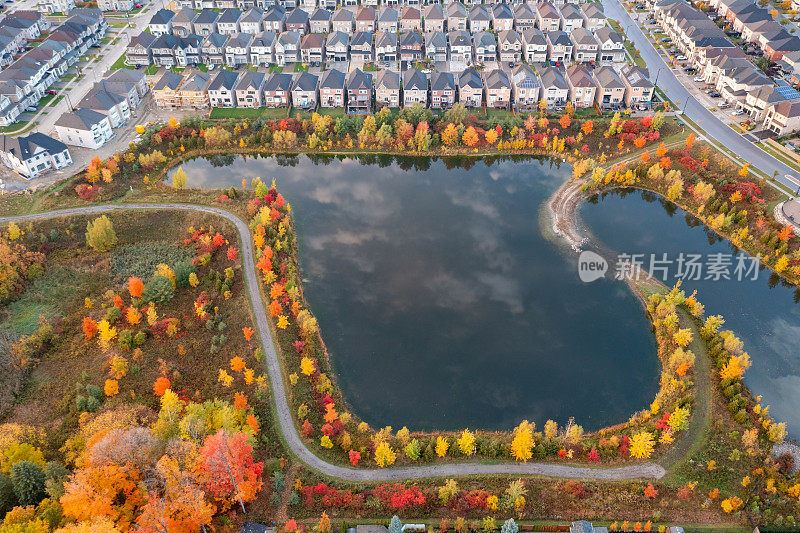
(689, 70)
(30, 109)
(724, 105)
(51, 91)
(699, 78)
(681, 58)
(738, 112)
(714, 95)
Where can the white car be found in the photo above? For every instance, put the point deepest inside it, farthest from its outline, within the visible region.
(681, 58)
(738, 112)
(699, 78)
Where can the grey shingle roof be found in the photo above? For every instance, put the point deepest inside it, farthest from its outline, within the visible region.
(162, 16)
(607, 34)
(607, 78)
(636, 76)
(534, 36)
(571, 12)
(80, 119)
(206, 16)
(442, 80)
(479, 13)
(580, 76)
(296, 16)
(498, 79)
(470, 78)
(358, 79)
(336, 38)
(387, 79)
(23, 147)
(252, 79)
(305, 82)
(388, 14)
(230, 15)
(168, 80)
(524, 76)
(414, 80)
(224, 79)
(278, 81)
(332, 79)
(581, 36)
(553, 77)
(434, 12)
(320, 14)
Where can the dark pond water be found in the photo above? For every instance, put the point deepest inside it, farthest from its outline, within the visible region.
(440, 301)
(763, 312)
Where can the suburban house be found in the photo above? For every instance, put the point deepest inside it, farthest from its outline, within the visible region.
(485, 47)
(273, 19)
(582, 88)
(193, 91)
(524, 17)
(361, 47)
(555, 90)
(593, 16)
(470, 88)
(320, 21)
(387, 89)
(343, 21)
(262, 49)
(365, 20)
(33, 155)
(165, 91)
(457, 16)
(112, 105)
(212, 51)
(411, 47)
(237, 49)
(498, 89)
(610, 89)
(131, 83)
(436, 46)
(611, 47)
(510, 45)
(479, 19)
(386, 48)
(415, 88)
(410, 19)
(460, 46)
(296, 20)
(571, 17)
(525, 86)
(250, 22)
(388, 20)
(336, 47)
(312, 50)
(161, 22)
(287, 48)
(228, 21)
(534, 46)
(84, 127)
(331, 88)
(277, 89)
(359, 91)
(434, 19)
(183, 22)
(206, 22)
(783, 118)
(559, 47)
(758, 102)
(638, 89)
(304, 91)
(139, 50)
(443, 90)
(502, 17)
(584, 45)
(548, 17)
(220, 90)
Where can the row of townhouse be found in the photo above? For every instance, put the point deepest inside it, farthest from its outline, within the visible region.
(16, 30)
(725, 66)
(757, 27)
(49, 7)
(522, 89)
(26, 80)
(453, 17)
(108, 105)
(458, 46)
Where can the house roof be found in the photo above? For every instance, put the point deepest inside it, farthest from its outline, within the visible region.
(523, 76)
(184, 16)
(523, 12)
(484, 39)
(289, 38)
(571, 12)
(206, 16)
(215, 39)
(278, 81)
(252, 15)
(265, 39)
(593, 10)
(582, 36)
(470, 78)
(456, 10)
(124, 75)
(386, 39)
(275, 14)
(788, 108)
(502, 11)
(509, 36)
(225, 79)
(168, 80)
(479, 13)
(410, 38)
(240, 40)
(332, 79)
(410, 13)
(230, 15)
(387, 79)
(607, 34)
(553, 77)
(459, 38)
(24, 147)
(635, 76)
(342, 15)
(547, 10)
(414, 80)
(305, 81)
(534, 36)
(558, 37)
(250, 79)
(434, 12)
(81, 119)
(162, 16)
(337, 37)
(607, 78)
(145, 39)
(442, 80)
(100, 99)
(435, 39)
(196, 80)
(358, 79)
(320, 14)
(313, 40)
(366, 14)
(296, 16)
(361, 38)
(388, 14)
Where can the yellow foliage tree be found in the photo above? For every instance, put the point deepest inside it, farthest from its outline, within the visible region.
(641, 445)
(522, 444)
(384, 454)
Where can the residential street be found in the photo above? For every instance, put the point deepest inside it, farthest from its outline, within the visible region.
(714, 127)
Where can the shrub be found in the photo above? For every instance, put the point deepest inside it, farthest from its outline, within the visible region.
(7, 498)
(158, 290)
(100, 234)
(28, 481)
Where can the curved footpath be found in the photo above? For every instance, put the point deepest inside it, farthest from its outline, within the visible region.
(284, 411)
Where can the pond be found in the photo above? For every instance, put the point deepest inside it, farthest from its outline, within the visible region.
(442, 304)
(763, 312)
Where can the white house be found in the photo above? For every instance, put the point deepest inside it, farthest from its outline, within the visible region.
(84, 127)
(33, 155)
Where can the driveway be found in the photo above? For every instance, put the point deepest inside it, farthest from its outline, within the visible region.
(712, 125)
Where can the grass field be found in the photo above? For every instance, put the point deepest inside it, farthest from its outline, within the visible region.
(245, 112)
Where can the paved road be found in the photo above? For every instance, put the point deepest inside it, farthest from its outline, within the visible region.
(714, 127)
(284, 411)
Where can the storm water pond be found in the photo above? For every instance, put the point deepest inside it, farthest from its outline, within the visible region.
(442, 304)
(763, 312)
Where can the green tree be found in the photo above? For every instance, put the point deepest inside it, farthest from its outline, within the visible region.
(158, 290)
(100, 234)
(395, 526)
(7, 498)
(28, 481)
